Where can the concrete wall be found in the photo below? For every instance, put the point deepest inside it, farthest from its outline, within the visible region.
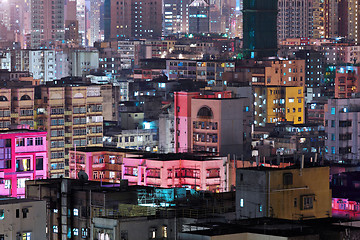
(34, 223)
(251, 186)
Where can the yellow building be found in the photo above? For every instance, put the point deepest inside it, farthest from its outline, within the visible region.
(285, 104)
(292, 193)
(295, 105)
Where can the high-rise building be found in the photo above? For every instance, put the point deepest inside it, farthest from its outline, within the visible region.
(294, 19)
(304, 18)
(259, 28)
(199, 16)
(331, 18)
(133, 19)
(175, 17)
(47, 21)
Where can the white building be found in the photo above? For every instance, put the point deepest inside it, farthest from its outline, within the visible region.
(42, 64)
(83, 62)
(5, 60)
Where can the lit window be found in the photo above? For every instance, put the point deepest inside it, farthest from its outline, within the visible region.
(26, 236)
(2, 214)
(152, 233)
(165, 233)
(242, 202)
(333, 111)
(21, 182)
(291, 100)
(55, 229)
(76, 212)
(7, 184)
(76, 231)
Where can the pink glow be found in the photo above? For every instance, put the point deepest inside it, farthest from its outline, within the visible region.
(344, 208)
(30, 152)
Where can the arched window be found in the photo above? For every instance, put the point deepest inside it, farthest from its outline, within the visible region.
(3, 99)
(25, 97)
(205, 112)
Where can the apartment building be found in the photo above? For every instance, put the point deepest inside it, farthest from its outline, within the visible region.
(158, 170)
(291, 193)
(299, 19)
(347, 81)
(205, 71)
(175, 17)
(216, 123)
(22, 219)
(48, 21)
(341, 126)
(23, 156)
(129, 53)
(134, 19)
(73, 116)
(40, 63)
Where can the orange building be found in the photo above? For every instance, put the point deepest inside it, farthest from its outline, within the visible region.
(346, 81)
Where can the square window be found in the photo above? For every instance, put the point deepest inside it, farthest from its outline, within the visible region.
(307, 202)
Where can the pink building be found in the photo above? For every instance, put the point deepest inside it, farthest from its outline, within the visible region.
(183, 112)
(184, 170)
(179, 170)
(216, 123)
(110, 165)
(23, 156)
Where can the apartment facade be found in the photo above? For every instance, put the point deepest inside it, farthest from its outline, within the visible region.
(72, 116)
(22, 219)
(215, 123)
(347, 81)
(135, 19)
(23, 156)
(158, 170)
(48, 21)
(293, 193)
(341, 126)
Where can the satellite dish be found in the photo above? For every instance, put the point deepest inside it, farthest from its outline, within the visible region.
(82, 175)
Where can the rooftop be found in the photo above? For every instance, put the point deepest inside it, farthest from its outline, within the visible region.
(271, 226)
(20, 131)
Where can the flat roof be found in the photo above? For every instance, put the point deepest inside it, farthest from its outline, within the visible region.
(8, 200)
(272, 226)
(20, 131)
(104, 149)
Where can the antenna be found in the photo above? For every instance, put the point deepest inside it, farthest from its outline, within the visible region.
(83, 176)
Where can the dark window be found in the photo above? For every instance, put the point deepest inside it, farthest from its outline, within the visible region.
(39, 163)
(17, 213)
(288, 179)
(25, 211)
(205, 112)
